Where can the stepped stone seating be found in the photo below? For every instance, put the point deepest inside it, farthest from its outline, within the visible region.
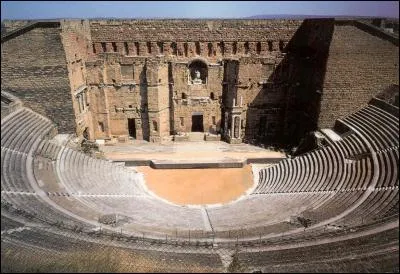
(46, 239)
(263, 210)
(152, 215)
(47, 149)
(37, 209)
(13, 165)
(325, 169)
(317, 186)
(377, 125)
(347, 168)
(23, 128)
(333, 206)
(176, 258)
(8, 223)
(82, 174)
(374, 208)
(380, 246)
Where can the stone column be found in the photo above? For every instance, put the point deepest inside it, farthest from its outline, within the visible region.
(236, 133)
(80, 102)
(143, 48)
(109, 47)
(167, 48)
(98, 47)
(232, 126)
(131, 48)
(228, 48)
(226, 123)
(83, 94)
(121, 48)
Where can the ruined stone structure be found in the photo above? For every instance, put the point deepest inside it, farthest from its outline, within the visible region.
(268, 81)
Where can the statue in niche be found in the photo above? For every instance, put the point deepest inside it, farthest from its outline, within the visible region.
(197, 79)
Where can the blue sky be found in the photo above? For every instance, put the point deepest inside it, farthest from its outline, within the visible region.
(191, 9)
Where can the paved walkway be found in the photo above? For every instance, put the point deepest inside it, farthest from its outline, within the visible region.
(192, 151)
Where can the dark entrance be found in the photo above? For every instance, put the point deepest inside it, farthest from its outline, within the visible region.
(197, 123)
(132, 128)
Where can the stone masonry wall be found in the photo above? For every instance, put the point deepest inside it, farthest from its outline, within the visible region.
(76, 40)
(359, 66)
(183, 39)
(33, 68)
(292, 75)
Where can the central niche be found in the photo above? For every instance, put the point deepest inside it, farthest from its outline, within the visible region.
(198, 72)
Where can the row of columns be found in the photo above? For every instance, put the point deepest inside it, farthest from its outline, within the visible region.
(187, 49)
(234, 131)
(82, 100)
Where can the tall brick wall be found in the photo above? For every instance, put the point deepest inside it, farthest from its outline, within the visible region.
(7, 26)
(33, 67)
(192, 30)
(185, 39)
(286, 77)
(75, 36)
(359, 66)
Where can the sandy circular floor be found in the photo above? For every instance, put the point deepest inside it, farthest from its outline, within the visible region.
(198, 186)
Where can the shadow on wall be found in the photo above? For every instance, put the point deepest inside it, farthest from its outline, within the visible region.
(144, 105)
(288, 103)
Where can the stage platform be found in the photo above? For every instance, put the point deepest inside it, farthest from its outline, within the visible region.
(187, 155)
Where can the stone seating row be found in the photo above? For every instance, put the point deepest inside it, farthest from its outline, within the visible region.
(48, 150)
(176, 258)
(388, 161)
(263, 211)
(378, 126)
(45, 239)
(298, 259)
(83, 174)
(39, 210)
(9, 223)
(333, 206)
(375, 207)
(14, 171)
(151, 215)
(23, 128)
(321, 170)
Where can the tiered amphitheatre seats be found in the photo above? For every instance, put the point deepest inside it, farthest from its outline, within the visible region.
(82, 174)
(14, 175)
(381, 248)
(388, 160)
(326, 169)
(156, 258)
(47, 239)
(8, 223)
(378, 126)
(101, 187)
(151, 215)
(318, 186)
(347, 168)
(374, 208)
(47, 149)
(34, 208)
(22, 129)
(336, 204)
(263, 211)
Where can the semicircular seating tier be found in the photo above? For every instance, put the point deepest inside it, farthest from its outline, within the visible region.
(349, 184)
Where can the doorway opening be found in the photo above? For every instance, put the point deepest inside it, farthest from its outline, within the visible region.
(132, 128)
(197, 123)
